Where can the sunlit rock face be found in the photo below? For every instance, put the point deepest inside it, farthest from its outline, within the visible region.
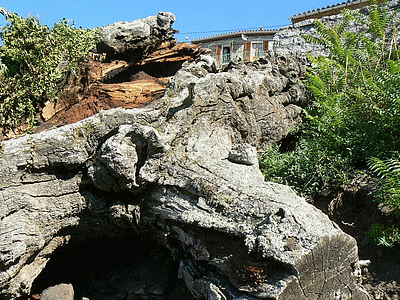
(123, 39)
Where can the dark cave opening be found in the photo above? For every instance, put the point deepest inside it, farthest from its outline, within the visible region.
(161, 69)
(153, 71)
(114, 269)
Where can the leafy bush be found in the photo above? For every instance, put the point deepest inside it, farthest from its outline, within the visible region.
(311, 168)
(357, 87)
(34, 59)
(355, 117)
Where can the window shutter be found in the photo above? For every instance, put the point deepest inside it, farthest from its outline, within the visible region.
(247, 49)
(218, 54)
(265, 46)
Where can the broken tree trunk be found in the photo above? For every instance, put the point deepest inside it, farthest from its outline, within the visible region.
(182, 172)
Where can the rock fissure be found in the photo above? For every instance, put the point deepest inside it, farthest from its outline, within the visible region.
(302, 290)
(48, 195)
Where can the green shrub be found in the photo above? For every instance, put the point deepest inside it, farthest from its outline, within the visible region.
(355, 115)
(310, 168)
(34, 59)
(387, 236)
(357, 87)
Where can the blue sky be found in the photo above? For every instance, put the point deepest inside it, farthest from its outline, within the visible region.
(194, 18)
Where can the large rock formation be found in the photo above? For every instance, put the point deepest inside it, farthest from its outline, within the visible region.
(183, 173)
(132, 39)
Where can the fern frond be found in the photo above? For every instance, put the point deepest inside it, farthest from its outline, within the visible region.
(315, 40)
(386, 167)
(341, 28)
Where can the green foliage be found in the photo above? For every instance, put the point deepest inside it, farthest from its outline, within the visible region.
(388, 171)
(387, 236)
(34, 59)
(311, 169)
(355, 115)
(357, 88)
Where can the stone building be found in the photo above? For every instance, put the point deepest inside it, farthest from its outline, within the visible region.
(247, 44)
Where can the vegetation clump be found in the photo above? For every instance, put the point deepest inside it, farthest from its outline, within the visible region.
(355, 118)
(388, 195)
(33, 60)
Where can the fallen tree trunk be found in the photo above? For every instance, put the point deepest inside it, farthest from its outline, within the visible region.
(182, 172)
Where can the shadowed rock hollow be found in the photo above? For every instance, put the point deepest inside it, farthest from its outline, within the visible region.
(182, 173)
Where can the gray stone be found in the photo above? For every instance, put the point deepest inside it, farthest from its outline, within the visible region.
(243, 154)
(156, 290)
(130, 39)
(59, 292)
(121, 156)
(261, 102)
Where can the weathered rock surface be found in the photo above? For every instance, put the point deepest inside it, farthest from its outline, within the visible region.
(180, 172)
(59, 292)
(134, 38)
(169, 52)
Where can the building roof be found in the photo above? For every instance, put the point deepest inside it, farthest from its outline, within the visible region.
(330, 10)
(235, 34)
